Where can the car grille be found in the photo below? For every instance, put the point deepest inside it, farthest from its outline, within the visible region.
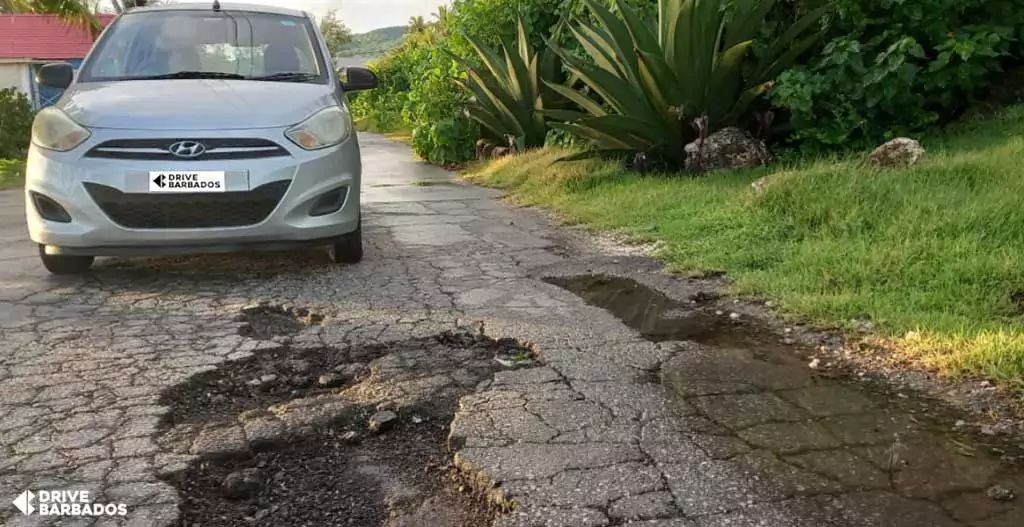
(188, 211)
(215, 149)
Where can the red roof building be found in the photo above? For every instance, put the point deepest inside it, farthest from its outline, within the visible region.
(29, 40)
(44, 37)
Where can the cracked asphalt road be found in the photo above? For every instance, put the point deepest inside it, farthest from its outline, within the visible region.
(588, 437)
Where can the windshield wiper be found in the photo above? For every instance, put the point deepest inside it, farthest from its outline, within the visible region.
(191, 75)
(287, 77)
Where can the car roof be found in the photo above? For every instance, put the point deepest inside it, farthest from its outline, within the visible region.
(224, 6)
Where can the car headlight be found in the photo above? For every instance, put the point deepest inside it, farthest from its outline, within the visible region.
(325, 128)
(54, 130)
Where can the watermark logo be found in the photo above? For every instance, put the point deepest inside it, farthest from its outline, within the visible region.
(24, 502)
(66, 503)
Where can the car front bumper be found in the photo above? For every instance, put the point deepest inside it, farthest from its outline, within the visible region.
(267, 203)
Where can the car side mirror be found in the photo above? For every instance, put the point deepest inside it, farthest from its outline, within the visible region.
(56, 75)
(357, 79)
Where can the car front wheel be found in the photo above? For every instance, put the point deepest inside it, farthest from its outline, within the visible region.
(65, 264)
(348, 249)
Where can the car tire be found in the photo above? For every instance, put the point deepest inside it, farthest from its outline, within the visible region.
(348, 249)
(63, 264)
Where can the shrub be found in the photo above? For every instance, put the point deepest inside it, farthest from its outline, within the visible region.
(380, 109)
(892, 67)
(654, 79)
(15, 123)
(446, 142)
(563, 139)
(435, 110)
(416, 93)
(490, 21)
(416, 90)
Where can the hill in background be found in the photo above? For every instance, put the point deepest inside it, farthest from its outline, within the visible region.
(373, 43)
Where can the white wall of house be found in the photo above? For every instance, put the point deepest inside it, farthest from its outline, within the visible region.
(16, 74)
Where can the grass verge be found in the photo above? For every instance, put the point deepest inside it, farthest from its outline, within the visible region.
(12, 174)
(931, 255)
(368, 124)
(402, 136)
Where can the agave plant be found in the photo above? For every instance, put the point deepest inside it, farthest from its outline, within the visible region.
(511, 90)
(648, 80)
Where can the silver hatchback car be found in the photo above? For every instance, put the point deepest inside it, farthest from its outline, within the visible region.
(197, 128)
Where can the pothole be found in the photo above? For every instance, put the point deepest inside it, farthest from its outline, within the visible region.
(264, 322)
(264, 379)
(756, 398)
(370, 450)
(400, 478)
(660, 318)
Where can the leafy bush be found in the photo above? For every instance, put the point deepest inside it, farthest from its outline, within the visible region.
(446, 142)
(380, 110)
(416, 90)
(891, 67)
(489, 21)
(653, 80)
(563, 139)
(435, 109)
(15, 123)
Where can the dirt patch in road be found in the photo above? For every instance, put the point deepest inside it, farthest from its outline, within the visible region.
(379, 456)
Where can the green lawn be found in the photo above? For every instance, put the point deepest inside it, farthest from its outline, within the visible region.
(934, 255)
(11, 173)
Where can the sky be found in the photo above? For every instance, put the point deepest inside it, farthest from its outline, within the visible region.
(360, 15)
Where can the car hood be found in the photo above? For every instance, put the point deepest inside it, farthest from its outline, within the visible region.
(194, 104)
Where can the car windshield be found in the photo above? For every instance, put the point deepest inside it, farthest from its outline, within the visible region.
(193, 44)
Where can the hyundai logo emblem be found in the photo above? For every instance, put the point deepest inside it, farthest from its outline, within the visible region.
(187, 149)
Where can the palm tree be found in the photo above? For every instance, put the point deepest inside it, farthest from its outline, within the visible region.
(442, 14)
(77, 12)
(442, 20)
(417, 24)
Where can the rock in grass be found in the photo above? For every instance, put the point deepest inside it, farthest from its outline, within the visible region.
(382, 421)
(726, 149)
(901, 152)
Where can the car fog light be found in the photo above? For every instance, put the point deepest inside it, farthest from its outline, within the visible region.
(49, 209)
(329, 202)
